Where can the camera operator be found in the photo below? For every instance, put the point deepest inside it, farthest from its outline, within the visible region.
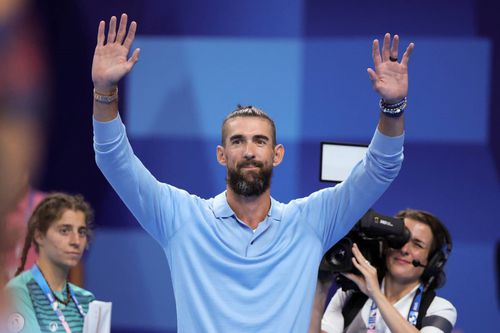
(405, 300)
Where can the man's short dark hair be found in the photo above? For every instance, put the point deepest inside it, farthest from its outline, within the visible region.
(248, 111)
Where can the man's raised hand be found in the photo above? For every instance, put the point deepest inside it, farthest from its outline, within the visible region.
(110, 61)
(390, 77)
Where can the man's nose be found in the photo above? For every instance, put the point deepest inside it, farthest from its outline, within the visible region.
(249, 151)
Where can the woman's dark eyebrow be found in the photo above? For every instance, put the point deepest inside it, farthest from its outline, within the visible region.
(416, 240)
(65, 226)
(70, 226)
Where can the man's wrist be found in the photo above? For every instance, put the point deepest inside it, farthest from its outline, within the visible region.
(106, 96)
(393, 110)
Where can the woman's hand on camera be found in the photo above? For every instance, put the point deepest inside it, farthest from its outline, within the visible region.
(368, 282)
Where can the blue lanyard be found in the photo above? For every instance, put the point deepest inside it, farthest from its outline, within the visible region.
(412, 314)
(415, 306)
(42, 283)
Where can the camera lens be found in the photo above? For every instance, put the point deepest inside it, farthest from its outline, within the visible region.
(338, 256)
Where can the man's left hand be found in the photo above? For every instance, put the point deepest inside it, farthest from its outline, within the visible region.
(390, 77)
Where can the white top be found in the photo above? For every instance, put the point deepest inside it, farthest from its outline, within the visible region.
(440, 317)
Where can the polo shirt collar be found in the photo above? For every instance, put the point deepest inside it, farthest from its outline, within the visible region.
(221, 208)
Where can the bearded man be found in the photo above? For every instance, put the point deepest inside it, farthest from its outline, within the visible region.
(243, 261)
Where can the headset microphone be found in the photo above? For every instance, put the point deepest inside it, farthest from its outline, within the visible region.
(417, 263)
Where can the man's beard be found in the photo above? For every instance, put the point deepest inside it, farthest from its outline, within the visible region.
(249, 183)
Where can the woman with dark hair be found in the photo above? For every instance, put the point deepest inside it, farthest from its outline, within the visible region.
(43, 299)
(405, 300)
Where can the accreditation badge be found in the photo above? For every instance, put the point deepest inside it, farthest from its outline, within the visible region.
(15, 322)
(53, 326)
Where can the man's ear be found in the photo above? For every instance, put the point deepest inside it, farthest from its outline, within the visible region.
(279, 153)
(221, 157)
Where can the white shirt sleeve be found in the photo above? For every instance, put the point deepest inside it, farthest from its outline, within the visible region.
(333, 321)
(441, 317)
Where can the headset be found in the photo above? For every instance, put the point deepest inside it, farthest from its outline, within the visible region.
(434, 276)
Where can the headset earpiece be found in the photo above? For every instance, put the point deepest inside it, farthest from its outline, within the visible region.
(434, 274)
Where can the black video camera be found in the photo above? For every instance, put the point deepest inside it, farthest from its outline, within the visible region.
(371, 233)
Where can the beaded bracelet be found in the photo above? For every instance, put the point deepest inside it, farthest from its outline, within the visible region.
(393, 110)
(106, 99)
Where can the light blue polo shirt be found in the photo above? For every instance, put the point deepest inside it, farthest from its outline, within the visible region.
(226, 277)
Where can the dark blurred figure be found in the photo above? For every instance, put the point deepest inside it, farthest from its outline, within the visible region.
(23, 93)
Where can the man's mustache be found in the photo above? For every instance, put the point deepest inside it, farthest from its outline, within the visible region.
(256, 164)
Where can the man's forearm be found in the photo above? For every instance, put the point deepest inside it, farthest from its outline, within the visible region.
(391, 126)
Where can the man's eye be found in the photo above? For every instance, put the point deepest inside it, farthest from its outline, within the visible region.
(83, 232)
(64, 231)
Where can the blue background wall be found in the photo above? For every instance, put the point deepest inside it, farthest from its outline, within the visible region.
(305, 63)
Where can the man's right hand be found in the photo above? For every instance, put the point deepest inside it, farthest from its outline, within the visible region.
(110, 61)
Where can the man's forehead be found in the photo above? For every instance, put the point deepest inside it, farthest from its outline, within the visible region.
(248, 124)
